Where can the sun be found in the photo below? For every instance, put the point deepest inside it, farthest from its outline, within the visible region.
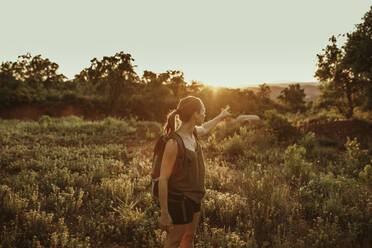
(214, 89)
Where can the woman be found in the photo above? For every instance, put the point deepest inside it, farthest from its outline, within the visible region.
(181, 191)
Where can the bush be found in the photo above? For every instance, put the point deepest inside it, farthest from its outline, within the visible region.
(366, 175)
(299, 172)
(279, 126)
(338, 199)
(323, 234)
(325, 158)
(224, 208)
(223, 237)
(226, 129)
(235, 146)
(354, 158)
(308, 141)
(77, 183)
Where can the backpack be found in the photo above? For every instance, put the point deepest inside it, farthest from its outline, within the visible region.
(158, 157)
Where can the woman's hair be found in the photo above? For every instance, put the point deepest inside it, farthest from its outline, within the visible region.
(187, 106)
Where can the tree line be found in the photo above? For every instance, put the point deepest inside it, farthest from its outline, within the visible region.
(112, 86)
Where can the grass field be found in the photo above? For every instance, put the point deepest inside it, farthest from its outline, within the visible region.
(66, 182)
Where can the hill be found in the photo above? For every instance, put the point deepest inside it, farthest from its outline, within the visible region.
(311, 89)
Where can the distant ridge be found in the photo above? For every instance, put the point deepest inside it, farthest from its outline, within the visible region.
(311, 89)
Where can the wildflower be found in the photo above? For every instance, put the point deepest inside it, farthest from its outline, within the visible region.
(319, 219)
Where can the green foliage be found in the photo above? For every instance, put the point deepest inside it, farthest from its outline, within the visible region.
(235, 146)
(308, 141)
(354, 158)
(33, 70)
(110, 86)
(279, 126)
(340, 201)
(322, 234)
(223, 237)
(345, 72)
(57, 187)
(293, 96)
(324, 158)
(264, 92)
(224, 207)
(366, 175)
(299, 171)
(114, 78)
(68, 182)
(11, 203)
(226, 129)
(245, 144)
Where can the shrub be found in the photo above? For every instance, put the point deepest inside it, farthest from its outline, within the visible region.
(223, 237)
(354, 158)
(298, 170)
(323, 234)
(279, 126)
(235, 146)
(308, 141)
(226, 129)
(77, 183)
(366, 175)
(338, 199)
(246, 141)
(11, 204)
(326, 158)
(45, 121)
(224, 208)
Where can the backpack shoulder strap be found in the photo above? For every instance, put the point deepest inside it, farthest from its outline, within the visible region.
(195, 134)
(181, 145)
(181, 149)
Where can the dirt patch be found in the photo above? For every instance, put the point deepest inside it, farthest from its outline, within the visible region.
(24, 112)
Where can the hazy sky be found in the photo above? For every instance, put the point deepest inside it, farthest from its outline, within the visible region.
(231, 43)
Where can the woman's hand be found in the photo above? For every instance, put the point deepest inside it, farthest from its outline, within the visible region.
(165, 221)
(225, 113)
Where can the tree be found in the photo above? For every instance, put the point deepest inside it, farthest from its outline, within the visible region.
(29, 79)
(120, 64)
(155, 80)
(293, 96)
(35, 70)
(264, 92)
(177, 83)
(195, 87)
(114, 77)
(346, 72)
(154, 98)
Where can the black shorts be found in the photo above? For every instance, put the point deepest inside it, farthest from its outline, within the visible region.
(182, 209)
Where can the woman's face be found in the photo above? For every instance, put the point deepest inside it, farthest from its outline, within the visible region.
(201, 115)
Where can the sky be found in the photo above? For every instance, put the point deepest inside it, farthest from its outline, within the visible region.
(231, 43)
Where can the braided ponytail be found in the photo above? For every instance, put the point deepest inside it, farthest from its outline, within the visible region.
(171, 122)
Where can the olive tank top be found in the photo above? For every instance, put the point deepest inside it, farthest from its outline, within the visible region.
(189, 177)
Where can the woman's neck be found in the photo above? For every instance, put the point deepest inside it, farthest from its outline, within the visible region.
(186, 128)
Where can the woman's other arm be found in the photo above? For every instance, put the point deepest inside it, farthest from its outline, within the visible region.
(167, 164)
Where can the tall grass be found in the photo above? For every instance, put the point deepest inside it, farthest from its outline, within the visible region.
(74, 183)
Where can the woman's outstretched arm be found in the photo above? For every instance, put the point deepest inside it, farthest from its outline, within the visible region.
(209, 125)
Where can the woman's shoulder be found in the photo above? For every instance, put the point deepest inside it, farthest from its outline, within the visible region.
(178, 140)
(171, 145)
